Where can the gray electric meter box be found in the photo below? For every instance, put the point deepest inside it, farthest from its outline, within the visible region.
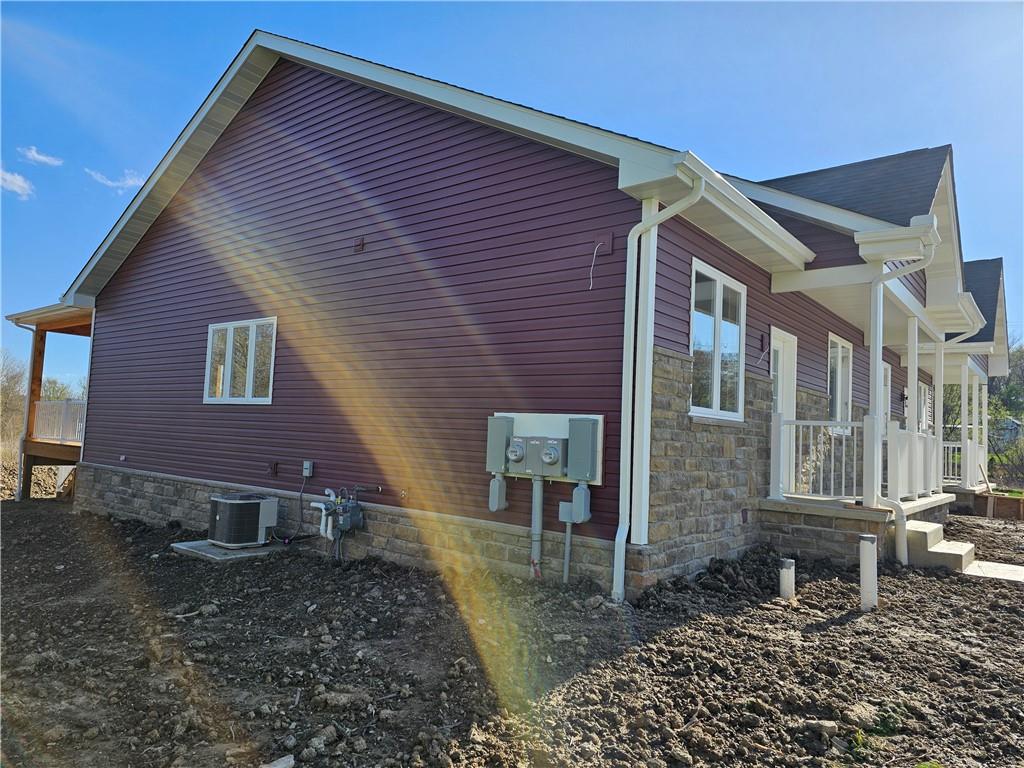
(552, 457)
(499, 433)
(517, 456)
(583, 449)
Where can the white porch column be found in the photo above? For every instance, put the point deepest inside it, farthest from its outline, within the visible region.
(913, 450)
(939, 387)
(965, 432)
(983, 441)
(975, 429)
(873, 422)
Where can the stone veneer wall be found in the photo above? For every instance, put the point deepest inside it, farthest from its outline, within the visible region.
(408, 537)
(707, 476)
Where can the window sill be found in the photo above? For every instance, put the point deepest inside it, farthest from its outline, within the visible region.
(719, 419)
(237, 401)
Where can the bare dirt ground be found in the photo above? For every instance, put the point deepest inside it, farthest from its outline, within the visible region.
(999, 540)
(44, 481)
(116, 652)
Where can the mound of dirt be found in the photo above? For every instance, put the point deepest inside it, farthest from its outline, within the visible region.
(999, 540)
(116, 652)
(44, 481)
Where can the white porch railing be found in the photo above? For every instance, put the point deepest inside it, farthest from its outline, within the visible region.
(817, 458)
(911, 463)
(957, 467)
(61, 421)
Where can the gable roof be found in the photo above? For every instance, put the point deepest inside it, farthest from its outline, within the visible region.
(646, 170)
(894, 188)
(983, 279)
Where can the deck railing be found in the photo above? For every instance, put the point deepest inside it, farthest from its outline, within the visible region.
(60, 421)
(959, 468)
(817, 458)
(911, 463)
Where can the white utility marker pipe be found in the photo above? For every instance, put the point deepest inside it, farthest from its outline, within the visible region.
(868, 572)
(787, 579)
(902, 554)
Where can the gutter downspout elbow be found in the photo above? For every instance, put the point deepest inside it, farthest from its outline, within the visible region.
(629, 364)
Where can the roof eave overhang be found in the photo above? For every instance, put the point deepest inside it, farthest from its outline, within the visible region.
(645, 170)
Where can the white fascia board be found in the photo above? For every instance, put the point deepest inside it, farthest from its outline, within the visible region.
(832, 216)
(733, 203)
(41, 314)
(828, 277)
(578, 137)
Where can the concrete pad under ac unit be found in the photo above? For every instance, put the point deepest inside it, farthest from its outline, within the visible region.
(204, 550)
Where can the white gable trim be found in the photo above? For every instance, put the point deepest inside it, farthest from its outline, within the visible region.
(635, 159)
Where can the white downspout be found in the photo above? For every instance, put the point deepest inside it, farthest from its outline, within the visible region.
(629, 369)
(876, 396)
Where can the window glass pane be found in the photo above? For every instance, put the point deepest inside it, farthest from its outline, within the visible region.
(239, 360)
(218, 354)
(704, 294)
(702, 329)
(729, 394)
(261, 362)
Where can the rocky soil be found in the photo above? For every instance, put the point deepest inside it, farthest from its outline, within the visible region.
(44, 481)
(1000, 540)
(118, 653)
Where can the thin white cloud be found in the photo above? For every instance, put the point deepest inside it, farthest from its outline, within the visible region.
(33, 155)
(128, 180)
(16, 183)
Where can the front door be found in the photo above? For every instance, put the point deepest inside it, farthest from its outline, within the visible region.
(783, 368)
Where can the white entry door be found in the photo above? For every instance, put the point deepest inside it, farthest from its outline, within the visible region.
(783, 368)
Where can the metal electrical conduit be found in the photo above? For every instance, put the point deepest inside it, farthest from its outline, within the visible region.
(629, 364)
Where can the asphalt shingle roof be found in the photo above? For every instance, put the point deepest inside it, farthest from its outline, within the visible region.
(981, 280)
(894, 188)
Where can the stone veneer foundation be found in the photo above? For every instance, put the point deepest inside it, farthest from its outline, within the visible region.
(709, 480)
(408, 537)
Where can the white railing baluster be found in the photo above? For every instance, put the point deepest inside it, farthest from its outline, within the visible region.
(60, 421)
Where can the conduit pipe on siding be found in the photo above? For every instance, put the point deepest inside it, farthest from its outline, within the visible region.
(629, 368)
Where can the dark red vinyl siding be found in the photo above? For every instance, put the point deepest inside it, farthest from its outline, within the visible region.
(795, 313)
(836, 249)
(470, 295)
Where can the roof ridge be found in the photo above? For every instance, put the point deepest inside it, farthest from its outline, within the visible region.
(947, 147)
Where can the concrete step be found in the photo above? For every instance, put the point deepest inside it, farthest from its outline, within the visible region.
(930, 532)
(926, 547)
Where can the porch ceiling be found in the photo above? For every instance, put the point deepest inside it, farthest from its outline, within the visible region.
(56, 318)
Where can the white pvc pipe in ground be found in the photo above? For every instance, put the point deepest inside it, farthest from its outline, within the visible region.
(868, 572)
(901, 536)
(787, 579)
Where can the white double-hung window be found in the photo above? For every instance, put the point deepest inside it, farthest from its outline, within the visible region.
(840, 379)
(240, 361)
(717, 326)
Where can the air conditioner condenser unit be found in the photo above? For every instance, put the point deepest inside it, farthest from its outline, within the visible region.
(240, 520)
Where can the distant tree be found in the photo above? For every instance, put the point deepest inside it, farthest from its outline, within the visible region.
(13, 372)
(55, 389)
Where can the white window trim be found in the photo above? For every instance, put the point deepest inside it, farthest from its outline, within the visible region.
(228, 359)
(716, 375)
(849, 376)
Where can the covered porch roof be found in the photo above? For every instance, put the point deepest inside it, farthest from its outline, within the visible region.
(59, 318)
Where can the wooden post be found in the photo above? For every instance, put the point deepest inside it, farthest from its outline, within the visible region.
(32, 393)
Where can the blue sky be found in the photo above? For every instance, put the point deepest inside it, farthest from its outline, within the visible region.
(757, 90)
